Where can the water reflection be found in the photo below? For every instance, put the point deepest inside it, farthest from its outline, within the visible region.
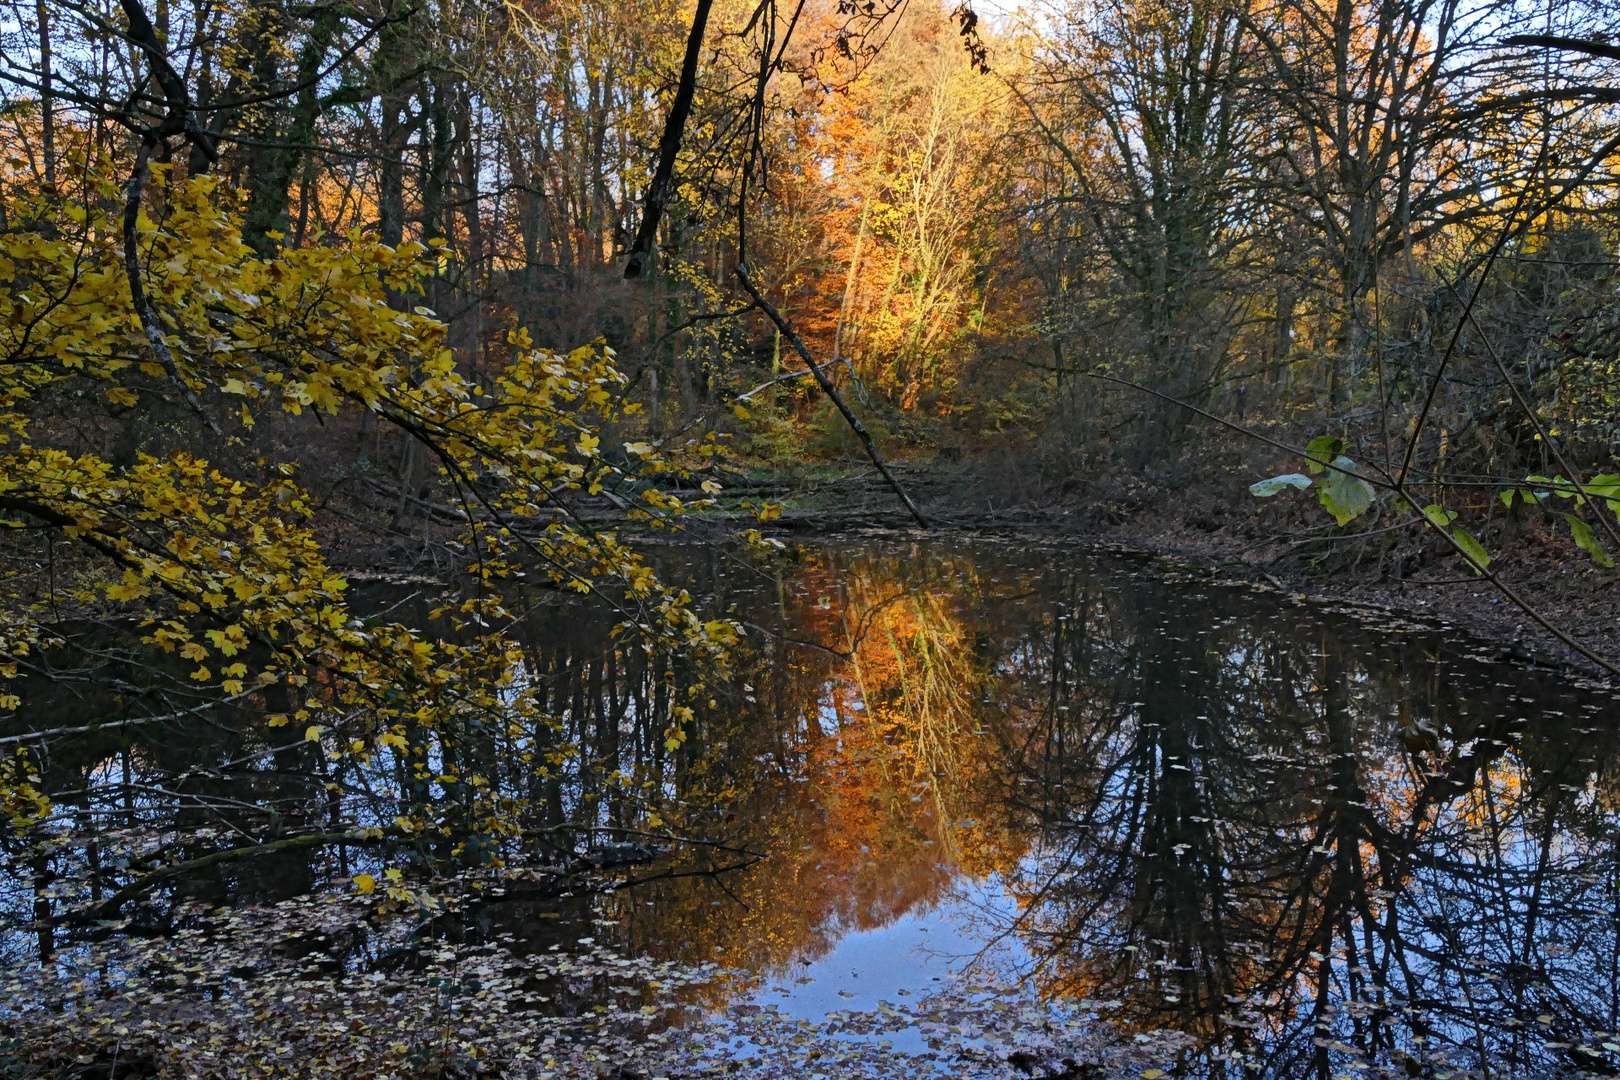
(1316, 845)
(1313, 847)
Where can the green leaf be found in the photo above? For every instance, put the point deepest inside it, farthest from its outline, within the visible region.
(1507, 498)
(1345, 497)
(1267, 488)
(1472, 548)
(1537, 496)
(1439, 515)
(1582, 532)
(1321, 450)
(1606, 486)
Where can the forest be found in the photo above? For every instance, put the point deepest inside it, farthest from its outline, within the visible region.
(482, 484)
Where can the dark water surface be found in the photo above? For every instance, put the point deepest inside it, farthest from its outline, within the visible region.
(1313, 843)
(1304, 839)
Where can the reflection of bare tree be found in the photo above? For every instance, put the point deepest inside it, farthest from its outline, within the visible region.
(1310, 851)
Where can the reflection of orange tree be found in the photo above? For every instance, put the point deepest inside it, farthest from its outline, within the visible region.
(1199, 814)
(888, 750)
(924, 684)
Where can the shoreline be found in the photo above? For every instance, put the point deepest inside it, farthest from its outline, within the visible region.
(1234, 542)
(1474, 609)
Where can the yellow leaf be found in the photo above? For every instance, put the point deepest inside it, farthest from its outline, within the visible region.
(365, 883)
(313, 733)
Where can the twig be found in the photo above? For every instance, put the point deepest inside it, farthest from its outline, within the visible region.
(768, 383)
(104, 908)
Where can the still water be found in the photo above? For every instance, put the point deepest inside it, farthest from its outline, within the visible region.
(1307, 840)
(954, 799)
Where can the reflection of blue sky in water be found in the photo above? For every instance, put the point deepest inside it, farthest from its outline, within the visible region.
(909, 956)
(924, 951)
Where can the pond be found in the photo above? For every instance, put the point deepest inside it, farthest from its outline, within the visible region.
(1001, 808)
